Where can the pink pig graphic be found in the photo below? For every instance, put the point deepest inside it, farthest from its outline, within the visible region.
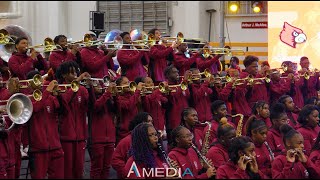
(291, 35)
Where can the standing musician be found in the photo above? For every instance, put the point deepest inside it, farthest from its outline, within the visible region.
(95, 61)
(296, 92)
(234, 64)
(20, 63)
(212, 62)
(264, 68)
(73, 125)
(127, 106)
(257, 131)
(58, 57)
(120, 155)
(186, 156)
(45, 152)
(201, 95)
(159, 54)
(131, 61)
(183, 59)
(312, 85)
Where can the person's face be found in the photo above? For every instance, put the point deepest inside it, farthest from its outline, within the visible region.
(150, 120)
(157, 35)
(196, 75)
(313, 119)
(281, 121)
(252, 68)
(296, 142)
(184, 140)
(127, 39)
(289, 104)
(22, 46)
(290, 68)
(264, 111)
(72, 75)
(260, 136)
(226, 140)
(63, 43)
(174, 74)
(248, 151)
(221, 111)
(192, 118)
(148, 82)
(275, 76)
(153, 137)
(305, 63)
(234, 64)
(265, 68)
(183, 47)
(125, 82)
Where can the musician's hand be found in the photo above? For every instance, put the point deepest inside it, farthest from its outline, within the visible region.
(242, 162)
(187, 75)
(84, 75)
(253, 164)
(112, 53)
(291, 76)
(205, 165)
(175, 45)
(3, 111)
(174, 164)
(140, 86)
(52, 85)
(301, 155)
(211, 171)
(291, 155)
(34, 54)
(112, 87)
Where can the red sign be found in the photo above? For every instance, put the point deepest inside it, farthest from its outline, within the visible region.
(254, 25)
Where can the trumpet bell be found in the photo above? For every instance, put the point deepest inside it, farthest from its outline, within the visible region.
(19, 108)
(37, 80)
(75, 85)
(133, 86)
(228, 78)
(184, 86)
(162, 87)
(37, 95)
(207, 73)
(114, 38)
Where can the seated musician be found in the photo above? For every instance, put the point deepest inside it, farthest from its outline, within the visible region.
(186, 156)
(262, 112)
(291, 110)
(315, 158)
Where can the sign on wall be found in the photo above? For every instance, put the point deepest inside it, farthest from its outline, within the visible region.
(254, 25)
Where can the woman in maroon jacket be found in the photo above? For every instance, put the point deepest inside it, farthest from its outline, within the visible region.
(127, 106)
(290, 110)
(242, 163)
(218, 152)
(73, 125)
(201, 95)
(257, 131)
(293, 163)
(309, 129)
(120, 155)
(278, 118)
(262, 112)
(45, 150)
(58, 57)
(146, 153)
(315, 158)
(187, 157)
(102, 132)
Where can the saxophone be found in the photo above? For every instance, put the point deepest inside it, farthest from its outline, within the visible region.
(205, 144)
(240, 124)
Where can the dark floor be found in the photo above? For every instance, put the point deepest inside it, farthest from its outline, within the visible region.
(24, 165)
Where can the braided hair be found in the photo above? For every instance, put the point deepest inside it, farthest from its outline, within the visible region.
(254, 124)
(257, 105)
(185, 112)
(175, 133)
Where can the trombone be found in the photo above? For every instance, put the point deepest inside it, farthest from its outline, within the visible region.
(48, 46)
(207, 51)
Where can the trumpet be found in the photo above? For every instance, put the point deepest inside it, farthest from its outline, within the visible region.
(48, 46)
(106, 81)
(132, 87)
(74, 85)
(166, 89)
(36, 81)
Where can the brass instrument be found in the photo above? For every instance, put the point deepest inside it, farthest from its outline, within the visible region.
(240, 124)
(48, 46)
(106, 81)
(5, 38)
(19, 109)
(132, 86)
(164, 89)
(206, 141)
(36, 81)
(207, 51)
(178, 38)
(202, 157)
(74, 85)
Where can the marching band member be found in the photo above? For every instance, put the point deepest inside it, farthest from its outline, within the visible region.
(189, 119)
(201, 95)
(158, 57)
(309, 129)
(293, 163)
(58, 57)
(315, 158)
(312, 85)
(73, 125)
(219, 111)
(242, 163)
(131, 61)
(20, 63)
(218, 152)
(264, 68)
(186, 156)
(154, 103)
(212, 63)
(145, 152)
(296, 92)
(102, 132)
(262, 112)
(290, 108)
(257, 131)
(120, 155)
(234, 64)
(45, 152)
(127, 106)
(278, 118)
(279, 86)
(183, 60)
(95, 61)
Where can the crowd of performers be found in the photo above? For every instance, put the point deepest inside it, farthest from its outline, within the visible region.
(258, 124)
